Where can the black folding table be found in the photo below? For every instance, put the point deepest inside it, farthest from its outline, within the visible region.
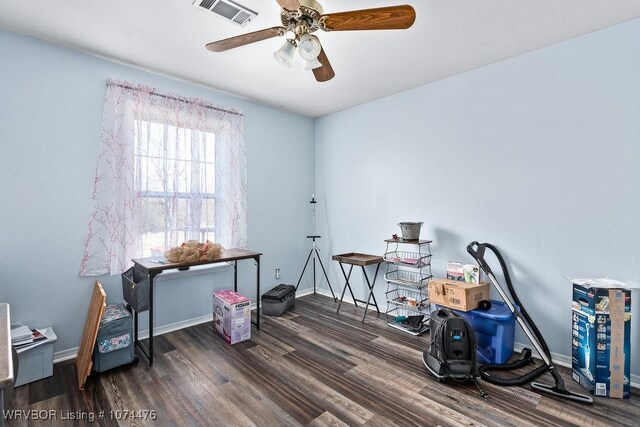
(363, 260)
(152, 266)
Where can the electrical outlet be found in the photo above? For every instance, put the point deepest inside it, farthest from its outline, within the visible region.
(277, 273)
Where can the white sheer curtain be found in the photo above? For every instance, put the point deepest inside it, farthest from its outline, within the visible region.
(169, 169)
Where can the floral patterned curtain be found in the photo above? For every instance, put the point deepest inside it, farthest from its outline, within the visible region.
(169, 169)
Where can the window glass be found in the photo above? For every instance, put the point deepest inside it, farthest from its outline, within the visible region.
(175, 179)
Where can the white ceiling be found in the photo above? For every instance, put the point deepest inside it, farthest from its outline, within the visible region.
(448, 37)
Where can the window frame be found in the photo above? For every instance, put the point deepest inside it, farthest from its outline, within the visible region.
(152, 115)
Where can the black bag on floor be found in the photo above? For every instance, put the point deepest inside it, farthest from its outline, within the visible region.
(114, 344)
(452, 353)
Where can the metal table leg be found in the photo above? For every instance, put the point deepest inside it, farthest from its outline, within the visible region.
(346, 285)
(370, 285)
(148, 351)
(150, 320)
(258, 292)
(235, 276)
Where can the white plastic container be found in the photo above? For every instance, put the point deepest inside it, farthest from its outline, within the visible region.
(36, 361)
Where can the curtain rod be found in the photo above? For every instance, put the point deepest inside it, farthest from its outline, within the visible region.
(177, 98)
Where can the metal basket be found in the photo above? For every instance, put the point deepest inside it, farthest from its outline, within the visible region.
(410, 230)
(412, 279)
(409, 300)
(409, 259)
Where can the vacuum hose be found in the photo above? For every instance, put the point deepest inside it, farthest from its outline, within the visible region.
(476, 250)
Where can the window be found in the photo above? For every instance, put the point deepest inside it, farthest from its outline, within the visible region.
(170, 169)
(176, 181)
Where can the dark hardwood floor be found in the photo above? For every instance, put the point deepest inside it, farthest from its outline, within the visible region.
(307, 367)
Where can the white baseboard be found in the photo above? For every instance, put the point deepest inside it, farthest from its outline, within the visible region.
(306, 292)
(71, 353)
(61, 356)
(347, 298)
(559, 359)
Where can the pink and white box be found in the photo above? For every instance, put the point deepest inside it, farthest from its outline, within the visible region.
(232, 316)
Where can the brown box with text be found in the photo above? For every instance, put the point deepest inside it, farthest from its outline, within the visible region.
(459, 295)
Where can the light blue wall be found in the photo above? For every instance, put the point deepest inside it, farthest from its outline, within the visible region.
(50, 116)
(538, 154)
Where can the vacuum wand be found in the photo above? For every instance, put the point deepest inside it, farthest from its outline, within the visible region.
(477, 250)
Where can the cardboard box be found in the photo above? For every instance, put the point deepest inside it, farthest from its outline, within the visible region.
(459, 295)
(463, 272)
(472, 273)
(601, 330)
(232, 316)
(455, 271)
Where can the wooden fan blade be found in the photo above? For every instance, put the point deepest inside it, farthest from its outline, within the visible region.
(244, 39)
(289, 4)
(324, 73)
(383, 18)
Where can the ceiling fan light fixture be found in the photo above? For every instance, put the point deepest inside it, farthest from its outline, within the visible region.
(311, 64)
(284, 55)
(302, 17)
(309, 47)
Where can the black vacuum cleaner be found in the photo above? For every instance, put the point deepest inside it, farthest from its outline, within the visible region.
(476, 250)
(452, 353)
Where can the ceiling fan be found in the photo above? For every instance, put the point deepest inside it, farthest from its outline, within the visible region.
(303, 17)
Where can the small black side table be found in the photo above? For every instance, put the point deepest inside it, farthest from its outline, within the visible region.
(152, 266)
(353, 258)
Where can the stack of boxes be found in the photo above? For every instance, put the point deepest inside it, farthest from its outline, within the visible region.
(462, 291)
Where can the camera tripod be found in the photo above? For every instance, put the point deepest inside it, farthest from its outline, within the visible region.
(314, 252)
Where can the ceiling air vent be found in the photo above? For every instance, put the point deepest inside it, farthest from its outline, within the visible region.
(228, 9)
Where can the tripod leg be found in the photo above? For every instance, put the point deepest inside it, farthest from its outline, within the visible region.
(304, 268)
(325, 275)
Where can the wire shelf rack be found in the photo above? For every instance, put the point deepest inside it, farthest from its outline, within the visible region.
(396, 319)
(408, 274)
(407, 278)
(417, 300)
(409, 259)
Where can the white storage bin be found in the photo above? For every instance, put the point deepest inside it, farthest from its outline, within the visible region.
(36, 363)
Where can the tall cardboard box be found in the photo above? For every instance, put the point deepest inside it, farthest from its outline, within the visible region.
(462, 296)
(232, 316)
(601, 331)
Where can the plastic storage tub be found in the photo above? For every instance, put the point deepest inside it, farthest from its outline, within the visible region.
(494, 330)
(36, 362)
